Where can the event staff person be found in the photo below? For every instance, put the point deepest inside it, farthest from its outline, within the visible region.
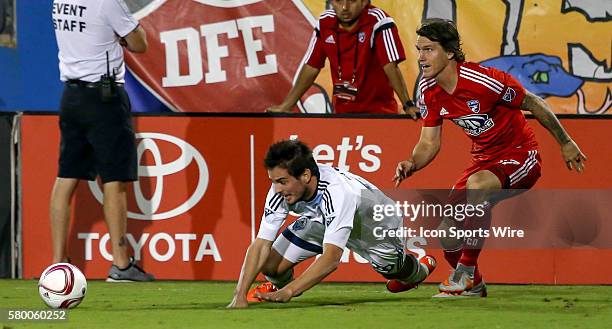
(97, 138)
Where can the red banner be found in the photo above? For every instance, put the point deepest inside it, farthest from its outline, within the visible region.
(191, 216)
(212, 55)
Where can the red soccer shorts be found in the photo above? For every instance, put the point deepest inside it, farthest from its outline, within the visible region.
(517, 169)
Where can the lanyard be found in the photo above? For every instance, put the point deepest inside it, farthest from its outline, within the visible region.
(355, 60)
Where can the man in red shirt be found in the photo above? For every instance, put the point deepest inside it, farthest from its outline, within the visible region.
(487, 104)
(364, 49)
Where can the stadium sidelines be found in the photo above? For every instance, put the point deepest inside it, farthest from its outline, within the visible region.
(202, 186)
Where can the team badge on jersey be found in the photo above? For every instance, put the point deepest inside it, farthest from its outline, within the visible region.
(474, 124)
(509, 95)
(299, 224)
(423, 110)
(362, 37)
(330, 39)
(474, 105)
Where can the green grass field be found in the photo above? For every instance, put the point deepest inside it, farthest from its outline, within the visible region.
(202, 305)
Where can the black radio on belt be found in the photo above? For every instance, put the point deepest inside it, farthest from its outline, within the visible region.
(107, 84)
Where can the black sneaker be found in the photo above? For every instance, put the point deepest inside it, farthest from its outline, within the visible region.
(133, 273)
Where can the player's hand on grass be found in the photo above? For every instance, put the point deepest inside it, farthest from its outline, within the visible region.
(279, 296)
(404, 170)
(574, 158)
(238, 302)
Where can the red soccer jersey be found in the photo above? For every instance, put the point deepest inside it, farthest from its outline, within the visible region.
(372, 44)
(486, 104)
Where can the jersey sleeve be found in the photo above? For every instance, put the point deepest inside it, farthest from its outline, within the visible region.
(118, 16)
(512, 93)
(275, 213)
(338, 207)
(430, 118)
(315, 55)
(387, 43)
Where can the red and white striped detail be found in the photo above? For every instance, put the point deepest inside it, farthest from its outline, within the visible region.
(327, 13)
(523, 171)
(482, 79)
(311, 47)
(390, 46)
(388, 38)
(424, 84)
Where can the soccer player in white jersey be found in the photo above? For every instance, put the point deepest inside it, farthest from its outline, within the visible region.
(335, 211)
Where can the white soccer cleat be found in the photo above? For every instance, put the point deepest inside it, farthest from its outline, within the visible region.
(457, 282)
(461, 284)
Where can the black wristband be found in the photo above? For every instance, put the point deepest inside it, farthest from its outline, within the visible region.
(409, 103)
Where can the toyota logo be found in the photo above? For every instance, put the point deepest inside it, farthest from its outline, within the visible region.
(149, 207)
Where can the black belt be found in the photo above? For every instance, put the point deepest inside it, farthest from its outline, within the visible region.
(86, 84)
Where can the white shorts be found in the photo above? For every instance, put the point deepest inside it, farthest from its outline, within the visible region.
(303, 239)
(300, 240)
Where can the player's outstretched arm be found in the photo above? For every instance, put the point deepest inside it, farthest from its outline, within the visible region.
(305, 79)
(321, 268)
(253, 262)
(573, 157)
(423, 153)
(396, 79)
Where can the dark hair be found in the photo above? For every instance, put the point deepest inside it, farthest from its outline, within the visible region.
(292, 155)
(445, 32)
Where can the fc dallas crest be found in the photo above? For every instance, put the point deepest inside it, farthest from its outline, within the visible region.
(221, 55)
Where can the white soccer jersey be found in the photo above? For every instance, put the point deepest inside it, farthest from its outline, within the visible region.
(85, 30)
(344, 205)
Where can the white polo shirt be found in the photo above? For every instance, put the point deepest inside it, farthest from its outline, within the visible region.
(85, 30)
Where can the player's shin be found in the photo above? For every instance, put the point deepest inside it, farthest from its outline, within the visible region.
(451, 245)
(472, 245)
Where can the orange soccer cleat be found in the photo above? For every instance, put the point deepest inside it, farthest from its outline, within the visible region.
(261, 288)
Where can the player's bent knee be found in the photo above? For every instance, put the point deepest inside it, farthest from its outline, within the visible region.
(483, 180)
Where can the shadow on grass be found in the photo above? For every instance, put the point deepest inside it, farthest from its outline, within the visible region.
(294, 304)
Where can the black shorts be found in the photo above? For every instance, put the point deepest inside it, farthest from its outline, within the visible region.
(97, 138)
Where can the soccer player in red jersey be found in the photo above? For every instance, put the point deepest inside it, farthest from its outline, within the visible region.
(364, 49)
(487, 104)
